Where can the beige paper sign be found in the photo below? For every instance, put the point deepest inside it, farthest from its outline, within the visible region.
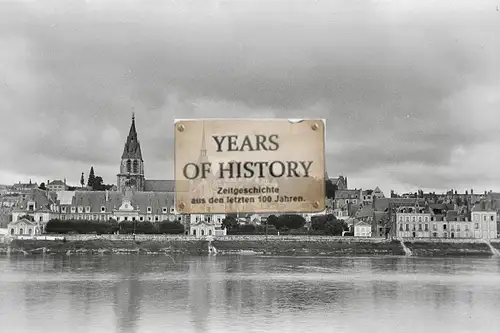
(249, 166)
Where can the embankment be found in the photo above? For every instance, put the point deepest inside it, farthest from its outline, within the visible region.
(107, 246)
(271, 245)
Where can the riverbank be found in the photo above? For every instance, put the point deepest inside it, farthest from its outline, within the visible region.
(271, 245)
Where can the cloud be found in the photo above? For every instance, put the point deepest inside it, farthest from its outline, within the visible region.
(401, 85)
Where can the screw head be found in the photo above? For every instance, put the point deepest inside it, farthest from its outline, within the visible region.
(314, 126)
(180, 128)
(181, 206)
(316, 204)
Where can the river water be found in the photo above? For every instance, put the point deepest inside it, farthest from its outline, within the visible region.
(135, 293)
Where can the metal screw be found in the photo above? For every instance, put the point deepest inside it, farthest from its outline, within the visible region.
(316, 204)
(181, 206)
(180, 128)
(314, 126)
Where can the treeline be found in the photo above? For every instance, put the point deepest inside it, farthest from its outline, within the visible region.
(288, 224)
(111, 226)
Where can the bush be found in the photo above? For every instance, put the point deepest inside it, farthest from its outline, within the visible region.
(81, 226)
(167, 227)
(130, 227)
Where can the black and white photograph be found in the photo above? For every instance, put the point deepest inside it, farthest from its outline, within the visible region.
(193, 166)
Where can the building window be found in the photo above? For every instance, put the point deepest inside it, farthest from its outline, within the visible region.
(149, 210)
(420, 219)
(419, 227)
(484, 217)
(413, 219)
(63, 209)
(434, 234)
(87, 209)
(149, 218)
(164, 210)
(426, 219)
(129, 166)
(476, 225)
(426, 227)
(444, 226)
(492, 217)
(407, 227)
(136, 167)
(400, 227)
(141, 218)
(103, 209)
(157, 218)
(80, 209)
(466, 227)
(172, 210)
(73, 209)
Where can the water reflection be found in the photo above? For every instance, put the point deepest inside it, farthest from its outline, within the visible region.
(247, 294)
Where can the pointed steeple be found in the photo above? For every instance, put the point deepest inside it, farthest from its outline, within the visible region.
(132, 147)
(203, 149)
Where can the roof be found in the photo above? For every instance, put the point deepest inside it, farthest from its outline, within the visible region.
(56, 182)
(132, 148)
(365, 211)
(42, 199)
(348, 194)
(112, 200)
(26, 221)
(451, 215)
(353, 209)
(361, 223)
(379, 216)
(381, 204)
(487, 206)
(151, 185)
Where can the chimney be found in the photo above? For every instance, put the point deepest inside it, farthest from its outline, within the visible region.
(107, 196)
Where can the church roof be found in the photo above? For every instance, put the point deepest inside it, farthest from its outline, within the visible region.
(151, 185)
(132, 147)
(112, 200)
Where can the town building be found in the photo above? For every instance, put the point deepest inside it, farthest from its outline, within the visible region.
(362, 229)
(413, 221)
(23, 227)
(56, 185)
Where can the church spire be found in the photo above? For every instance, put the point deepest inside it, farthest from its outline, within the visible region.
(132, 147)
(203, 149)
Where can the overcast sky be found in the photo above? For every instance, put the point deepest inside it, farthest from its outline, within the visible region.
(410, 89)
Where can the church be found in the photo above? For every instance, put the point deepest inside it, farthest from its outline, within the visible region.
(132, 168)
(136, 199)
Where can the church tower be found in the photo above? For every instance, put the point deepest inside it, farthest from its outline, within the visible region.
(132, 165)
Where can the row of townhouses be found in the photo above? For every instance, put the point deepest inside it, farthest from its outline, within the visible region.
(368, 213)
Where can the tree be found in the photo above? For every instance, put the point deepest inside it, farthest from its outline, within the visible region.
(42, 186)
(271, 220)
(319, 222)
(229, 223)
(335, 227)
(82, 180)
(291, 221)
(91, 179)
(97, 184)
(168, 227)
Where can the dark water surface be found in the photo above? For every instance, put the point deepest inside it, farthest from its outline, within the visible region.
(134, 293)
